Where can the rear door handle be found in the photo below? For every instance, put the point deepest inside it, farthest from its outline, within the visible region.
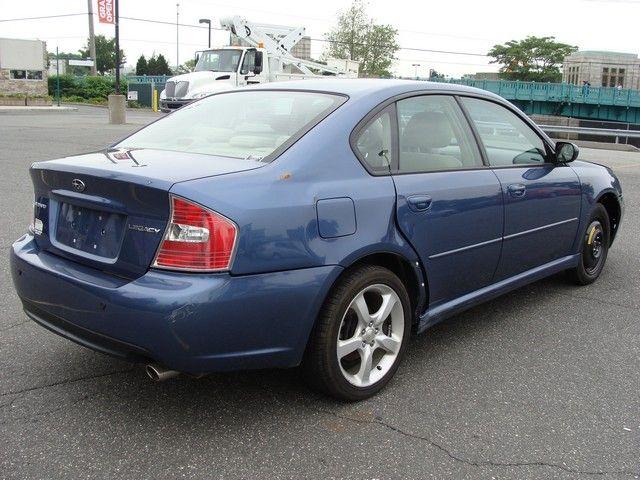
(419, 203)
(517, 190)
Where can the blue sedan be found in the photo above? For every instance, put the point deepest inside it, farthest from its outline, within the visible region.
(315, 223)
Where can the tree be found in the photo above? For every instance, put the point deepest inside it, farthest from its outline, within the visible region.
(186, 67)
(142, 67)
(357, 37)
(435, 75)
(158, 65)
(534, 59)
(105, 54)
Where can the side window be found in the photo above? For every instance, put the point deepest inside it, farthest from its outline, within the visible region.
(249, 62)
(507, 139)
(434, 135)
(374, 142)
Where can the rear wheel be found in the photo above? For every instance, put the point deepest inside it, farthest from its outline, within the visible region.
(361, 335)
(594, 248)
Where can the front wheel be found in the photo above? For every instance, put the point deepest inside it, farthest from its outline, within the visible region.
(594, 248)
(360, 336)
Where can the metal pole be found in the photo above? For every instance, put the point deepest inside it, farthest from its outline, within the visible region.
(57, 76)
(92, 38)
(177, 36)
(416, 65)
(208, 22)
(117, 48)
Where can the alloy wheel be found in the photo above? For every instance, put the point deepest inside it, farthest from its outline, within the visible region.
(370, 335)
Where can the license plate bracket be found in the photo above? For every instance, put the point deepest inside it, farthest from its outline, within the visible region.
(92, 231)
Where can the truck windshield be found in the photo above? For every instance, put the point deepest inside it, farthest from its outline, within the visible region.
(241, 124)
(219, 60)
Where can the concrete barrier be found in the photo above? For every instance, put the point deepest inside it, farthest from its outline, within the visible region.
(117, 109)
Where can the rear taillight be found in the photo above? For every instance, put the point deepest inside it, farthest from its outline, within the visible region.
(196, 239)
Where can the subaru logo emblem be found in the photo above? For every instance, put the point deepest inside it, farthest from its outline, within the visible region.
(78, 185)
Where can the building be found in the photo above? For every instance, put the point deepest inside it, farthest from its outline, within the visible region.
(23, 67)
(484, 76)
(302, 49)
(602, 69)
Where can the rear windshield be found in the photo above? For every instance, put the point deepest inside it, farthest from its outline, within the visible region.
(245, 124)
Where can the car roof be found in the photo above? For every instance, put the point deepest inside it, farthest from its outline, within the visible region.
(363, 87)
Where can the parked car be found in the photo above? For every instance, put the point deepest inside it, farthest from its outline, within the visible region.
(313, 223)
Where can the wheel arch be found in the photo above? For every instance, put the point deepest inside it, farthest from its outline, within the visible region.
(609, 200)
(408, 270)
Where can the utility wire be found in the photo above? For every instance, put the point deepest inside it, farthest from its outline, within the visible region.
(324, 40)
(42, 18)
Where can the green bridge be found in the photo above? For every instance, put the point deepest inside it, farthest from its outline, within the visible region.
(558, 99)
(562, 99)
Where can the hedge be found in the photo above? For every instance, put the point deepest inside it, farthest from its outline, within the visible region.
(85, 87)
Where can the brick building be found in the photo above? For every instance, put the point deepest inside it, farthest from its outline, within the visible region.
(23, 67)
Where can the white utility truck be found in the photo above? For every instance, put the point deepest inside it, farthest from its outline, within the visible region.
(268, 58)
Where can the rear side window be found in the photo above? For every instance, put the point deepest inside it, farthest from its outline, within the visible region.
(245, 124)
(374, 142)
(507, 139)
(434, 135)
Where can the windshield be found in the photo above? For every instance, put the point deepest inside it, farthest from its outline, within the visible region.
(243, 124)
(219, 60)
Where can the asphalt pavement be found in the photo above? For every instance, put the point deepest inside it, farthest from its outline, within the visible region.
(541, 383)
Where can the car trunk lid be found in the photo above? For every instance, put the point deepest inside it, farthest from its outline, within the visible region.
(109, 209)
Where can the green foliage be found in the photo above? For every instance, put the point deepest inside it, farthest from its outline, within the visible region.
(436, 76)
(187, 67)
(158, 65)
(534, 59)
(77, 99)
(357, 37)
(67, 85)
(142, 67)
(85, 88)
(105, 54)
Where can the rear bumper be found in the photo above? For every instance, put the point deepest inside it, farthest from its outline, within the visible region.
(193, 323)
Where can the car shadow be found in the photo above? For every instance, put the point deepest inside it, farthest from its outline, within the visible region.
(104, 388)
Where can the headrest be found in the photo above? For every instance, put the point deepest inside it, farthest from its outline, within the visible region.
(426, 130)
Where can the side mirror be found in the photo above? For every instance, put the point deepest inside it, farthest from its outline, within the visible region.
(566, 152)
(257, 69)
(197, 57)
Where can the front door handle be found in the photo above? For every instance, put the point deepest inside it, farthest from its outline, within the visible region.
(419, 203)
(517, 190)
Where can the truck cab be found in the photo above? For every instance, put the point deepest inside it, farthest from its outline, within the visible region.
(216, 70)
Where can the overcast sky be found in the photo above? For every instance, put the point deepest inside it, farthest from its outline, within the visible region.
(470, 26)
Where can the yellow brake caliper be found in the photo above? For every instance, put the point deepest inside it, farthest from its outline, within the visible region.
(591, 235)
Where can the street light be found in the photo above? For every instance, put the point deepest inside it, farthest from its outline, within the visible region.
(177, 36)
(416, 65)
(208, 22)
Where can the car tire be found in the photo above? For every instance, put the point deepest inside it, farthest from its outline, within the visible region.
(352, 353)
(594, 247)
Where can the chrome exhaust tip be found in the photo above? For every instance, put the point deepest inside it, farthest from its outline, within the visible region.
(158, 373)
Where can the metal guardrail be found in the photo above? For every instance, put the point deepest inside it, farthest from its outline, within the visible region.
(603, 132)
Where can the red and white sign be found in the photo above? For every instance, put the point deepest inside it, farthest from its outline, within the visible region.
(106, 11)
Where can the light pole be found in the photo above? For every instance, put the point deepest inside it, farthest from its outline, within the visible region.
(208, 22)
(416, 65)
(177, 36)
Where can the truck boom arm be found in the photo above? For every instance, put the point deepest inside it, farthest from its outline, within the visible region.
(277, 40)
